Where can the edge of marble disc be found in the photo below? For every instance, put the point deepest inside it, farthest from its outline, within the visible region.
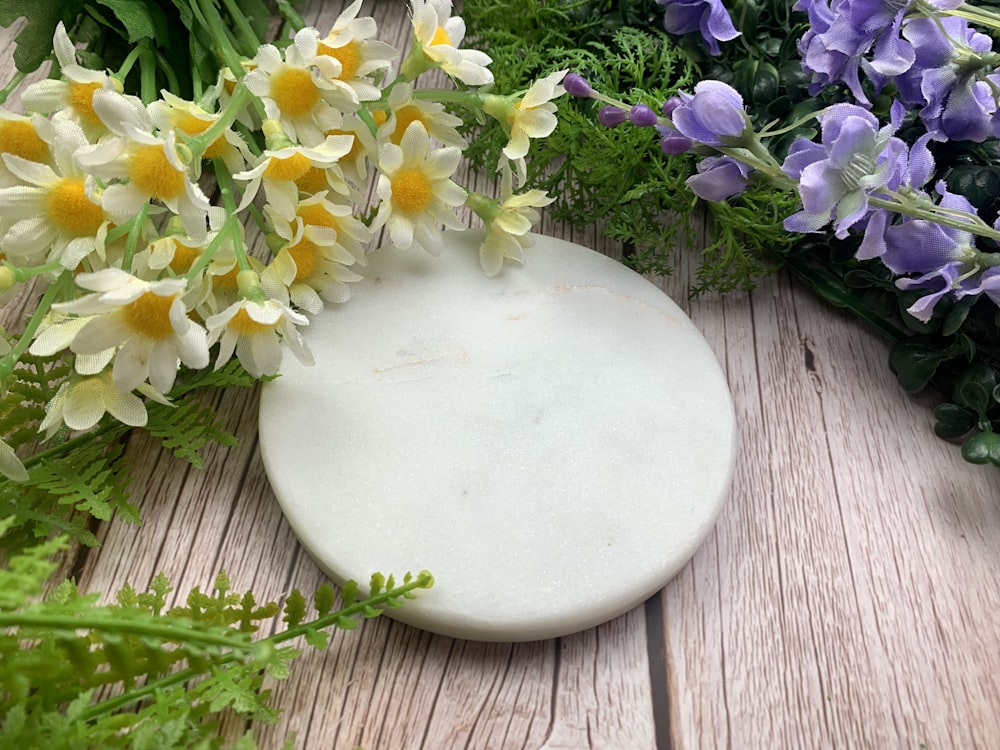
(480, 602)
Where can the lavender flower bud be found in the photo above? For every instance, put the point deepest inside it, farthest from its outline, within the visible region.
(576, 85)
(610, 116)
(670, 105)
(642, 116)
(674, 143)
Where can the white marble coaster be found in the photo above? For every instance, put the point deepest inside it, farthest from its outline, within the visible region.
(552, 444)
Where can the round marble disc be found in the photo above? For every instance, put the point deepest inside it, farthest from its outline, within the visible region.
(552, 444)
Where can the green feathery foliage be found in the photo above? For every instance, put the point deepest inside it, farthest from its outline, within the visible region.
(78, 674)
(618, 176)
(81, 478)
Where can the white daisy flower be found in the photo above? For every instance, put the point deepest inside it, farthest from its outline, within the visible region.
(149, 166)
(437, 36)
(531, 116)
(74, 93)
(350, 43)
(173, 113)
(80, 404)
(417, 194)
(23, 136)
(145, 320)
(302, 90)
(508, 222)
(405, 109)
(255, 331)
(282, 169)
(327, 223)
(312, 264)
(51, 210)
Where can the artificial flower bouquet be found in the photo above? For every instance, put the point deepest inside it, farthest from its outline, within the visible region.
(146, 291)
(851, 141)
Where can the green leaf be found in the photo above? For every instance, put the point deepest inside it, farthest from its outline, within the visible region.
(982, 448)
(974, 387)
(141, 19)
(34, 42)
(318, 639)
(953, 421)
(323, 601)
(295, 608)
(914, 364)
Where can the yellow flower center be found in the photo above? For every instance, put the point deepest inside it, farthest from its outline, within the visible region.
(150, 315)
(244, 325)
(152, 173)
(193, 125)
(288, 168)
(318, 216)
(404, 116)
(71, 210)
(379, 116)
(306, 256)
(20, 137)
(411, 191)
(349, 57)
(312, 181)
(441, 37)
(184, 257)
(226, 280)
(81, 98)
(294, 91)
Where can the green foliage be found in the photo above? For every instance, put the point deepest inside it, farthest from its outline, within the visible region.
(84, 478)
(75, 673)
(618, 176)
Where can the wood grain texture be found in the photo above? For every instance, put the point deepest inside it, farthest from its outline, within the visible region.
(848, 596)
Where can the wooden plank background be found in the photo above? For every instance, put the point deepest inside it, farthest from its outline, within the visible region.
(848, 596)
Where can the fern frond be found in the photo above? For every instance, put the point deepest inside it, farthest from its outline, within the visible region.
(187, 427)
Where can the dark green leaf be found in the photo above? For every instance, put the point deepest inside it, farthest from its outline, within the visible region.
(141, 19)
(982, 449)
(974, 387)
(914, 364)
(953, 421)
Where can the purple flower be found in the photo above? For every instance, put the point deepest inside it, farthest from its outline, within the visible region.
(940, 282)
(988, 284)
(719, 178)
(855, 159)
(922, 246)
(955, 97)
(707, 16)
(713, 116)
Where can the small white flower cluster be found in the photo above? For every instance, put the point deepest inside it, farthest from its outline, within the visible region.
(100, 194)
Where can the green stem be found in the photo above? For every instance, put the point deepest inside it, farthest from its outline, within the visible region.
(213, 23)
(175, 633)
(172, 83)
(198, 143)
(147, 73)
(128, 62)
(290, 15)
(424, 580)
(133, 237)
(14, 82)
(247, 36)
(229, 203)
